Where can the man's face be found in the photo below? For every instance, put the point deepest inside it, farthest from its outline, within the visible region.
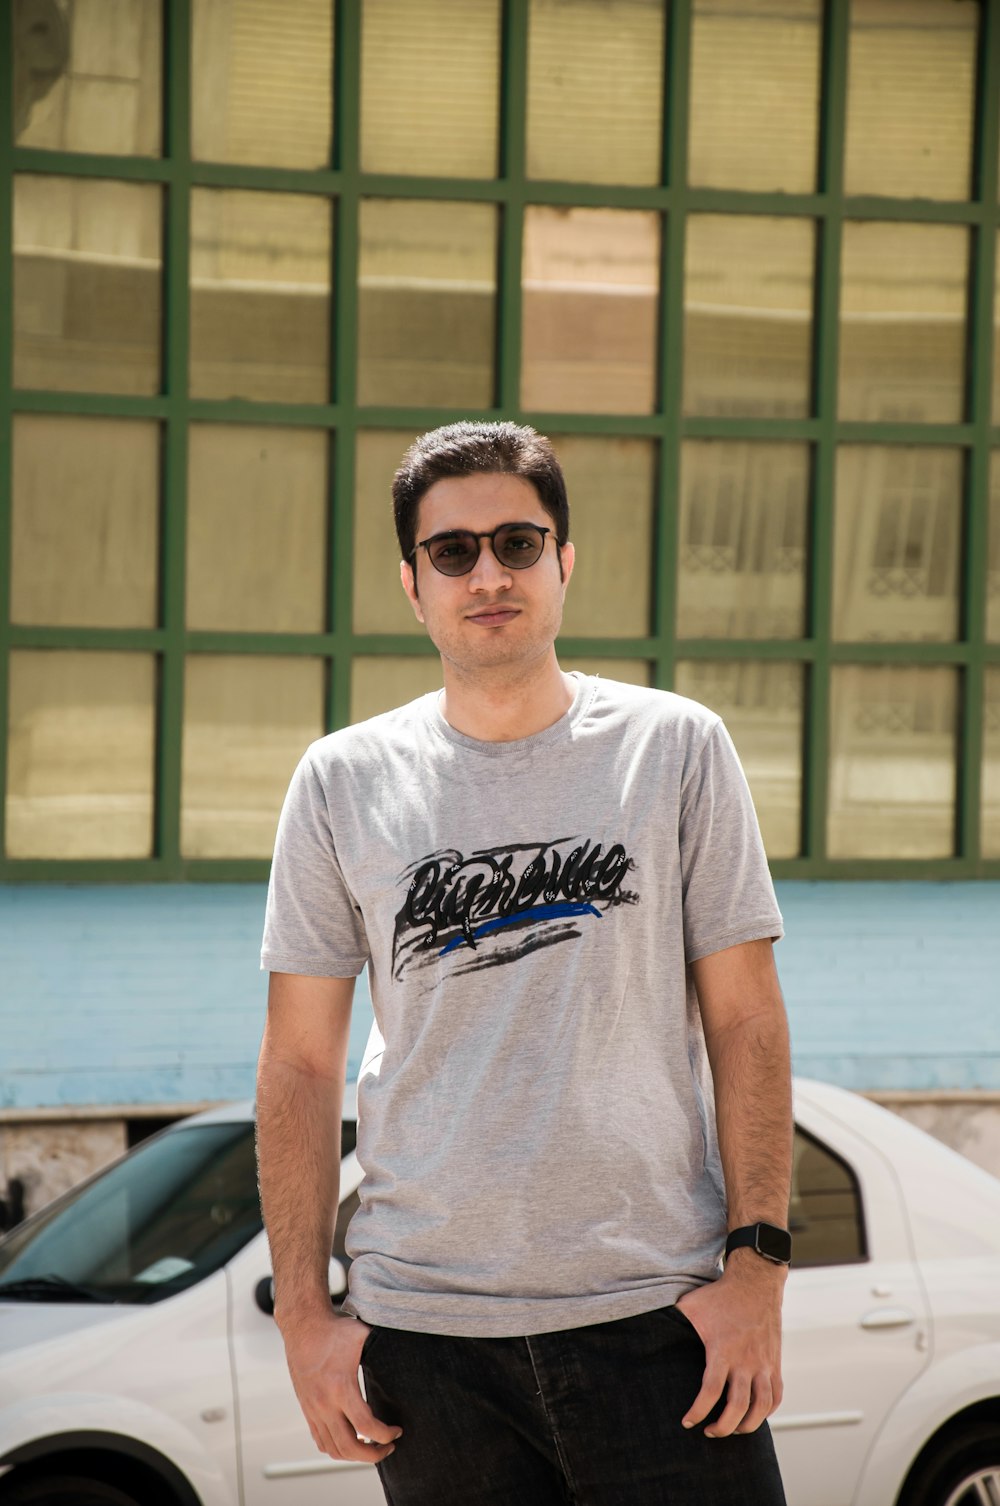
(494, 615)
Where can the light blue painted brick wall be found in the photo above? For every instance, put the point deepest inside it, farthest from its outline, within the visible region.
(133, 994)
(151, 994)
(893, 985)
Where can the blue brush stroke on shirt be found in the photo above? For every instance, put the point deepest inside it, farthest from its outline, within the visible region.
(537, 912)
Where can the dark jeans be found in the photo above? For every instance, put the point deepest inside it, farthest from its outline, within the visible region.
(586, 1417)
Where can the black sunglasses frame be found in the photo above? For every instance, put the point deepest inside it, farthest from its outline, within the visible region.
(468, 533)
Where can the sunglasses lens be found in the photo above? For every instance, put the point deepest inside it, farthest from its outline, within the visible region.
(519, 545)
(516, 546)
(455, 554)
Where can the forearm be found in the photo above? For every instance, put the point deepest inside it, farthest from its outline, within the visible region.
(752, 1074)
(300, 1088)
(739, 1316)
(298, 1154)
(746, 1035)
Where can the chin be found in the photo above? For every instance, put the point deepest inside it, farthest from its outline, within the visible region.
(493, 654)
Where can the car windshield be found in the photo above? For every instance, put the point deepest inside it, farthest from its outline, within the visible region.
(164, 1217)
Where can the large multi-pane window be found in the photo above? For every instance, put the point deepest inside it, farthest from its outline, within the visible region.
(738, 261)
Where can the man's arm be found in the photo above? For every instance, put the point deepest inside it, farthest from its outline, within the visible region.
(300, 1078)
(739, 1316)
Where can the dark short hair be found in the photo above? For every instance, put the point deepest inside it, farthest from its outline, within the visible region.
(471, 448)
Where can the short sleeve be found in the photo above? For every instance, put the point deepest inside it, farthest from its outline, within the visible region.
(313, 924)
(728, 897)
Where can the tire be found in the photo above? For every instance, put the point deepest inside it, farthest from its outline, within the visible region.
(63, 1490)
(965, 1471)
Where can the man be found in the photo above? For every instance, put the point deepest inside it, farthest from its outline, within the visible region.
(559, 889)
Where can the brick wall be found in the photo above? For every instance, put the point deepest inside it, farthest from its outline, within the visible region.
(145, 994)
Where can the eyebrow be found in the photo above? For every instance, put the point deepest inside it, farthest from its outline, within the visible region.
(447, 533)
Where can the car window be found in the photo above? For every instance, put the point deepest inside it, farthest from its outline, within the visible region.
(826, 1216)
(175, 1209)
(167, 1215)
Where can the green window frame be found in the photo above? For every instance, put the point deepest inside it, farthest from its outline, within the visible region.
(513, 192)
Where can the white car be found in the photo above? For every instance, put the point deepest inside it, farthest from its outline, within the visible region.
(140, 1366)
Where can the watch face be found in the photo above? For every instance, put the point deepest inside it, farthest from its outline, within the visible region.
(776, 1244)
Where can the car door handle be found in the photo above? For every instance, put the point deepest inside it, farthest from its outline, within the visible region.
(888, 1317)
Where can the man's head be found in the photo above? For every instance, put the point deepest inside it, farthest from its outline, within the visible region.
(471, 448)
(482, 518)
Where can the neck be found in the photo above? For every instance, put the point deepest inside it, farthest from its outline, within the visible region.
(508, 703)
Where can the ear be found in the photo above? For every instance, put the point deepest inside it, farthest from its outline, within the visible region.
(567, 559)
(408, 581)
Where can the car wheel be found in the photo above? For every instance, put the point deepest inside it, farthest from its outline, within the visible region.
(63, 1490)
(965, 1472)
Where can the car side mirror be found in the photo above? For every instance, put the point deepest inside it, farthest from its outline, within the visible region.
(338, 1281)
(264, 1290)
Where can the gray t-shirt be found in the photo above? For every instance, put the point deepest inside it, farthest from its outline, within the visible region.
(536, 1123)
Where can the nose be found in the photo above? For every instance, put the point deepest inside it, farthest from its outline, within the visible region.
(488, 574)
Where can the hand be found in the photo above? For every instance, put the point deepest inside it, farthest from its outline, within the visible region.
(323, 1360)
(738, 1319)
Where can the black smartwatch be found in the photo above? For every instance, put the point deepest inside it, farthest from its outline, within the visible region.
(773, 1243)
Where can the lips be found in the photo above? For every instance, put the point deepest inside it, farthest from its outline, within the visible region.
(494, 616)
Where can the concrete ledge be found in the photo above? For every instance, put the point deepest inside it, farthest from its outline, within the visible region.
(98, 1112)
(894, 1098)
(968, 1122)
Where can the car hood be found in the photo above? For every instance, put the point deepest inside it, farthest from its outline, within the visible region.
(25, 1324)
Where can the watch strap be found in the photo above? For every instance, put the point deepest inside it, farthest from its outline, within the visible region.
(767, 1240)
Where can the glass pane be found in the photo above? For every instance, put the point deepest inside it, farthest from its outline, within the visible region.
(87, 76)
(991, 762)
(611, 484)
(87, 273)
(262, 82)
(748, 296)
(743, 528)
(247, 721)
(590, 310)
(427, 303)
(155, 1223)
(86, 515)
(825, 1208)
(430, 82)
(595, 90)
(910, 89)
(892, 761)
(380, 605)
(260, 295)
(897, 535)
(996, 341)
(80, 755)
(754, 95)
(761, 704)
(993, 554)
(629, 671)
(380, 684)
(902, 322)
(256, 535)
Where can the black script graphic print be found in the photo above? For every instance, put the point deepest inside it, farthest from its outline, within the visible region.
(501, 903)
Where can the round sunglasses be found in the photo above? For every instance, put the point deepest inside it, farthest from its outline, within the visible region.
(515, 545)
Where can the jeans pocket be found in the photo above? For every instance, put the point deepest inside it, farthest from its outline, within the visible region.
(681, 1320)
(369, 1343)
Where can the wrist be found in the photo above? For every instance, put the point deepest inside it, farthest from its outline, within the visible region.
(745, 1265)
(304, 1314)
